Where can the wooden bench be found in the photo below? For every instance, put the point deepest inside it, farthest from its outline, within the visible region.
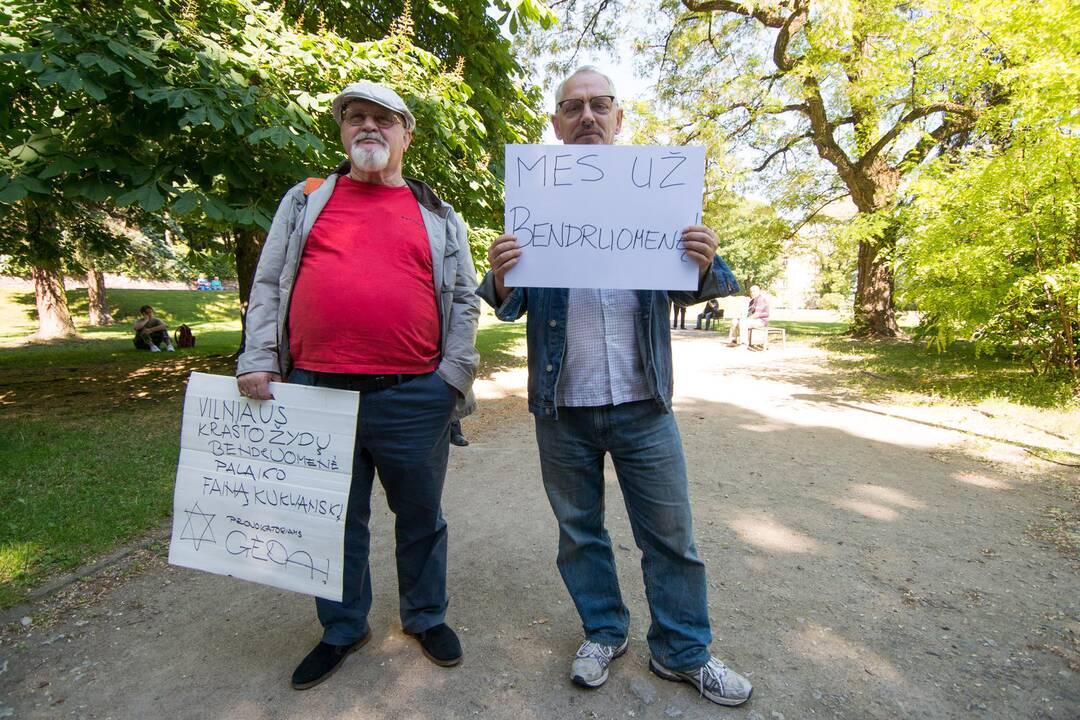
(768, 330)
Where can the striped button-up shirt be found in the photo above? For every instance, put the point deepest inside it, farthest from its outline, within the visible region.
(602, 364)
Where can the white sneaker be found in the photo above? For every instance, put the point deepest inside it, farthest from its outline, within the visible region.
(590, 665)
(170, 348)
(714, 680)
(154, 348)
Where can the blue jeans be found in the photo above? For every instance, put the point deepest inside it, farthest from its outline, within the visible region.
(403, 432)
(647, 453)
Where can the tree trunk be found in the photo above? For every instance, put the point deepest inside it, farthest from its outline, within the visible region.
(54, 319)
(95, 295)
(872, 191)
(874, 313)
(247, 248)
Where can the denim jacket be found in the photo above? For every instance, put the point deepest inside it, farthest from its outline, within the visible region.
(546, 331)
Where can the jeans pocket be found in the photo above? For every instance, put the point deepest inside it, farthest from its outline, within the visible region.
(451, 391)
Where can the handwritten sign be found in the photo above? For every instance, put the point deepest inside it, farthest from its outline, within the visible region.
(262, 487)
(603, 216)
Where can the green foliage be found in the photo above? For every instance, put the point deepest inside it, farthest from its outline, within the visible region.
(212, 108)
(480, 239)
(829, 100)
(462, 32)
(834, 301)
(991, 252)
(991, 244)
(203, 113)
(751, 238)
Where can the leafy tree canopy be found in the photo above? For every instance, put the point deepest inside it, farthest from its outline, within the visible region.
(468, 32)
(209, 109)
(990, 246)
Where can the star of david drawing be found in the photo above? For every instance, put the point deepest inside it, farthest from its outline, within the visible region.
(203, 522)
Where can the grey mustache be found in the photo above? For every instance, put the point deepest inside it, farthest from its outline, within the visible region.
(370, 136)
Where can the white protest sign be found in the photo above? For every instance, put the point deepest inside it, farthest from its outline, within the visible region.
(603, 216)
(262, 487)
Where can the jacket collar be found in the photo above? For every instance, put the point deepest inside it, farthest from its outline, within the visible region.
(423, 194)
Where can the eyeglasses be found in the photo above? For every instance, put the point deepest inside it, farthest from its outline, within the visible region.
(573, 107)
(382, 119)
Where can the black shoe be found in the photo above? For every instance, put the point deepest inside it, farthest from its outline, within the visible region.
(440, 645)
(458, 439)
(322, 662)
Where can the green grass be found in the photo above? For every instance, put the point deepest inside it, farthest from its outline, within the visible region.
(90, 427)
(956, 375)
(801, 329)
(18, 315)
(77, 486)
(501, 345)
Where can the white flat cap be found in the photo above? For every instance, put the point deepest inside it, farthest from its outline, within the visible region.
(376, 93)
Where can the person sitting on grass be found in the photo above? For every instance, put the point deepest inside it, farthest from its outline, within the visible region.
(151, 332)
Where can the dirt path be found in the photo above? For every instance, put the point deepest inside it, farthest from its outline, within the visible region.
(861, 565)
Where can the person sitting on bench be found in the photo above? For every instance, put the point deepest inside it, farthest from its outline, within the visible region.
(757, 316)
(712, 310)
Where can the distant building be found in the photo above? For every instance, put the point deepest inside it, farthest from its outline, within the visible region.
(795, 286)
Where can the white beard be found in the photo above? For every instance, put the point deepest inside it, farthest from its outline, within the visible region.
(370, 160)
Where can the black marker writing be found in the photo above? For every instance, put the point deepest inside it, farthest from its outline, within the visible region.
(237, 542)
(265, 527)
(679, 160)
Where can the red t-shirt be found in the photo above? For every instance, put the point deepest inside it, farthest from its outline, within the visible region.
(364, 298)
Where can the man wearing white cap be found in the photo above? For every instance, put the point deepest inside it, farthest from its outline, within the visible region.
(340, 252)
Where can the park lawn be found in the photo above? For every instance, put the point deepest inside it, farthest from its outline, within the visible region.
(90, 428)
(910, 372)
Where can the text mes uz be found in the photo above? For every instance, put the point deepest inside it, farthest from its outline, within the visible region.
(657, 173)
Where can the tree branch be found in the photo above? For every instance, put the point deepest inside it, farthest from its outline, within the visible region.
(965, 113)
(821, 129)
(794, 23)
(808, 218)
(601, 6)
(762, 15)
(947, 129)
(784, 149)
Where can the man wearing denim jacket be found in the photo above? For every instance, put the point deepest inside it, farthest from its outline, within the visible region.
(338, 253)
(600, 382)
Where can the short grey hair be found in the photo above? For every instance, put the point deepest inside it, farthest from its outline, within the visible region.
(582, 69)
